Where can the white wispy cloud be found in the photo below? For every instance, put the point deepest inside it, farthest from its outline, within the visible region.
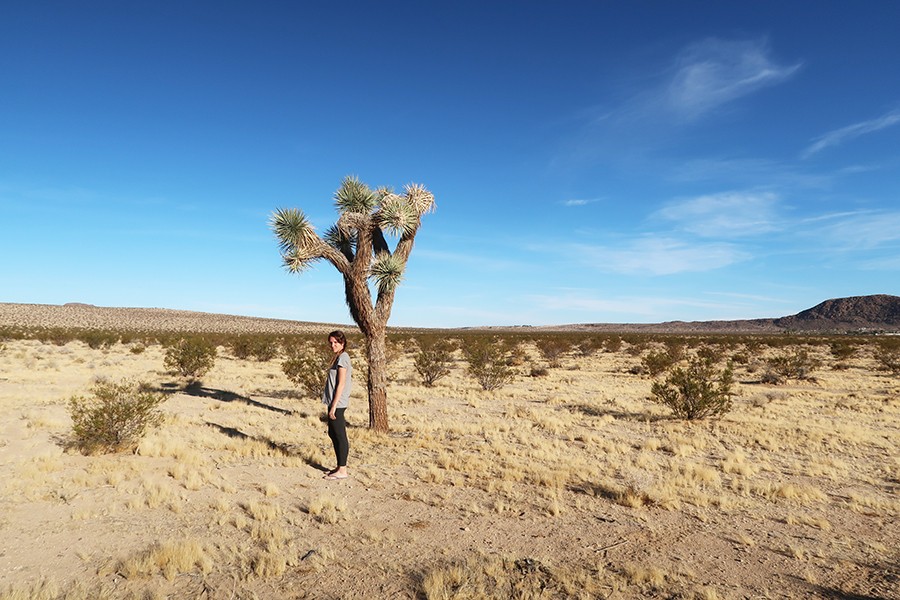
(724, 215)
(839, 136)
(713, 72)
(579, 202)
(653, 255)
(862, 230)
(751, 171)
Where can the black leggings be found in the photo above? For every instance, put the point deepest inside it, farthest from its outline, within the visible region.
(337, 431)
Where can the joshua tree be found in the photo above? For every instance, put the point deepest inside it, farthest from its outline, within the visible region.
(357, 248)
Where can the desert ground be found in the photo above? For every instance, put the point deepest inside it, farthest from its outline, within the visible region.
(572, 484)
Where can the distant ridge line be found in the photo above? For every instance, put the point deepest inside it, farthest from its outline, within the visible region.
(878, 313)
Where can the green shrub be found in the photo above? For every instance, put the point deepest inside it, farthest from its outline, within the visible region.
(191, 357)
(539, 372)
(698, 391)
(98, 339)
(552, 349)
(306, 366)
(791, 365)
(261, 347)
(889, 358)
(842, 350)
(658, 361)
(489, 362)
(588, 346)
(613, 345)
(433, 360)
(114, 417)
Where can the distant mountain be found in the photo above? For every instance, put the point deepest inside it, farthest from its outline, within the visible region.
(877, 312)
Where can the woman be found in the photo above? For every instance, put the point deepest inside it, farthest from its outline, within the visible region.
(336, 398)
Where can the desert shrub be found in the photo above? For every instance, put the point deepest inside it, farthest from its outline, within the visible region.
(305, 366)
(434, 359)
(613, 345)
(711, 352)
(490, 362)
(96, 339)
(588, 346)
(138, 349)
(697, 391)
(190, 357)
(658, 361)
(796, 364)
(539, 372)
(842, 350)
(636, 348)
(740, 358)
(888, 357)
(552, 349)
(262, 348)
(114, 417)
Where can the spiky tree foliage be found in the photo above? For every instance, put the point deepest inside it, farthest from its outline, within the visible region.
(356, 246)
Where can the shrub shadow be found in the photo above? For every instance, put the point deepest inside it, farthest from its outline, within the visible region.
(594, 411)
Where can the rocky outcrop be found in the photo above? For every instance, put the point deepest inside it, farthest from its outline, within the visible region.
(876, 312)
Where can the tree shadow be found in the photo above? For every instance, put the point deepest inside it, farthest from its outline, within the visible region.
(280, 448)
(882, 580)
(196, 388)
(595, 411)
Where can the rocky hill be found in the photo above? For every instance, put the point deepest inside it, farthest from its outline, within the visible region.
(864, 314)
(877, 312)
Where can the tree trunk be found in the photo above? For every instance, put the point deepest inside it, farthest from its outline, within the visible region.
(377, 384)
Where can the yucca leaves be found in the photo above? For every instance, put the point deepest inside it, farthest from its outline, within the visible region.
(297, 239)
(354, 196)
(396, 215)
(387, 272)
(420, 199)
(293, 230)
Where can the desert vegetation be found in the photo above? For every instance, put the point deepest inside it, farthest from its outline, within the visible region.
(579, 483)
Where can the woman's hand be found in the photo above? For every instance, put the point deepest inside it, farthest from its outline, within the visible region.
(331, 415)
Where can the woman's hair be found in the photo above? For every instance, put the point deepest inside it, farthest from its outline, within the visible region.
(339, 336)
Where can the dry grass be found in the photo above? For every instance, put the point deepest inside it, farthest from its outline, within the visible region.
(564, 486)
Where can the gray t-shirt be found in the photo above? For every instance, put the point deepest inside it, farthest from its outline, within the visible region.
(331, 382)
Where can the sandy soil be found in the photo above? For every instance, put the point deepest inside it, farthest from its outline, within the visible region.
(570, 485)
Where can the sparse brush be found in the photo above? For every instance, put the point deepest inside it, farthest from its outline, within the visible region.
(659, 361)
(698, 391)
(114, 417)
(489, 363)
(433, 360)
(190, 357)
(791, 365)
(889, 358)
(552, 349)
(261, 347)
(842, 350)
(305, 366)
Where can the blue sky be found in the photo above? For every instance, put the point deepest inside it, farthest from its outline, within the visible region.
(591, 161)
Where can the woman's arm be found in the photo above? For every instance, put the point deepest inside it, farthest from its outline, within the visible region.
(338, 391)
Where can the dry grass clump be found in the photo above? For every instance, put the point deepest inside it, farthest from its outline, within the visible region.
(170, 558)
(326, 509)
(492, 577)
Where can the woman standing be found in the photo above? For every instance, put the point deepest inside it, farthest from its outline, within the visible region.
(336, 398)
